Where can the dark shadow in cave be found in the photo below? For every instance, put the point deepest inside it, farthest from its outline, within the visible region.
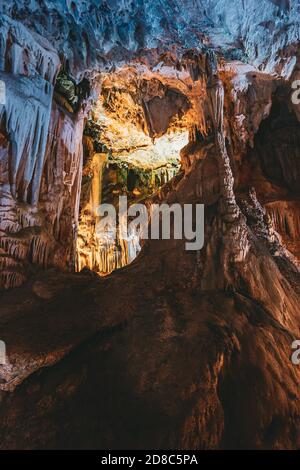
(278, 146)
(131, 180)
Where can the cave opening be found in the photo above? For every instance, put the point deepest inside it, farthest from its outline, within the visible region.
(132, 143)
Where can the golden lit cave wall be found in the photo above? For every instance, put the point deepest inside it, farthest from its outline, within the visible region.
(104, 181)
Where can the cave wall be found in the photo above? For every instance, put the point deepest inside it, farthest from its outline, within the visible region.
(192, 353)
(200, 342)
(41, 160)
(41, 136)
(105, 178)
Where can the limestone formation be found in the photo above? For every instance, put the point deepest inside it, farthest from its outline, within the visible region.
(185, 102)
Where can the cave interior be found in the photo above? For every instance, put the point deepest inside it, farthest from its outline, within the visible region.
(138, 343)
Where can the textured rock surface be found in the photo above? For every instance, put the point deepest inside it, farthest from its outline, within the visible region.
(172, 360)
(179, 349)
(86, 31)
(140, 124)
(41, 160)
(93, 37)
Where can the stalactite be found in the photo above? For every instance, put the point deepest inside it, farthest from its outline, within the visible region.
(101, 253)
(27, 117)
(43, 233)
(106, 253)
(24, 53)
(98, 163)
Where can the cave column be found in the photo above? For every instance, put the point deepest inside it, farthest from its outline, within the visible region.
(229, 208)
(233, 229)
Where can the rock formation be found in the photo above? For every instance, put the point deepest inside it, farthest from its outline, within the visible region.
(180, 102)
